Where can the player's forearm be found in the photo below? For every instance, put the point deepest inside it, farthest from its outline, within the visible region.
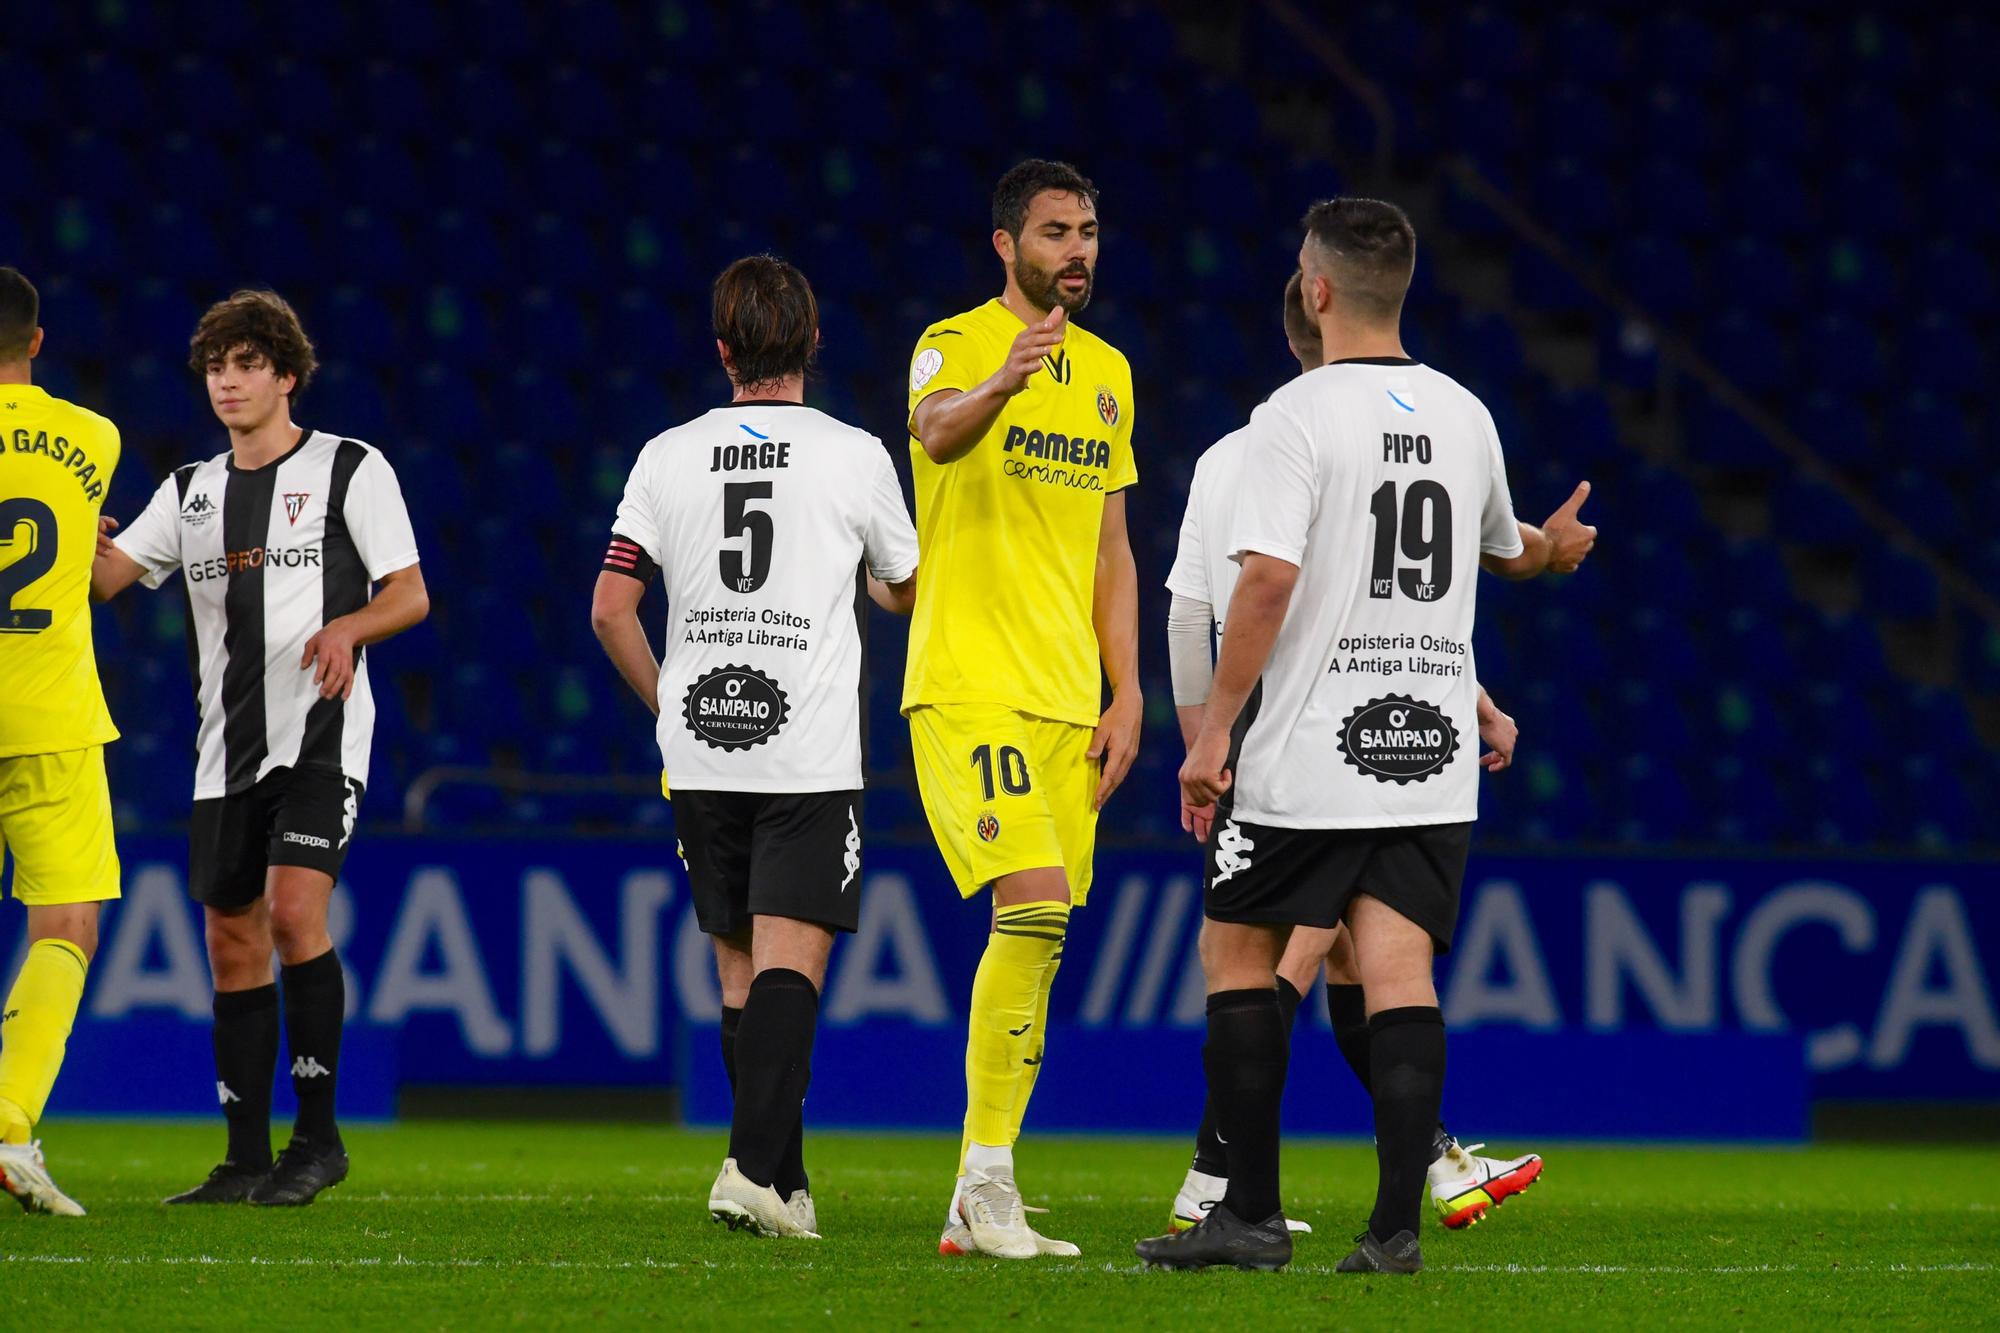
(1114, 613)
(624, 640)
(112, 574)
(1534, 557)
(1189, 716)
(1256, 614)
(898, 599)
(949, 425)
(401, 602)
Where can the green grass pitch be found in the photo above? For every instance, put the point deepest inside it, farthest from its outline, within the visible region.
(483, 1224)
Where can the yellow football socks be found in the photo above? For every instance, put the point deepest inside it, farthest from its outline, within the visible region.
(1031, 1067)
(1010, 1005)
(34, 1028)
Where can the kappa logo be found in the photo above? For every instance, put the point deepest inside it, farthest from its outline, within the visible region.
(295, 504)
(348, 810)
(199, 510)
(307, 1067)
(1231, 852)
(851, 858)
(223, 1095)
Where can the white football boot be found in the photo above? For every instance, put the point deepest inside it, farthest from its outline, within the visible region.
(1201, 1192)
(800, 1206)
(988, 1217)
(1464, 1187)
(25, 1175)
(743, 1206)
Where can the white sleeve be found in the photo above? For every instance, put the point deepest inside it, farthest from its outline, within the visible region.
(1189, 576)
(1273, 516)
(1499, 531)
(1190, 650)
(639, 512)
(377, 519)
(154, 538)
(890, 543)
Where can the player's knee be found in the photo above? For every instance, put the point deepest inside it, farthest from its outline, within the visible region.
(298, 929)
(239, 948)
(73, 924)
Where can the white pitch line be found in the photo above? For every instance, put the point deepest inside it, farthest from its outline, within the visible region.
(640, 1265)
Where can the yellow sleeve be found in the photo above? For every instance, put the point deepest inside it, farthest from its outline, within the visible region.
(1124, 466)
(110, 448)
(951, 355)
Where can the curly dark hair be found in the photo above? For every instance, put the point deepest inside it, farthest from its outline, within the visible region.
(20, 312)
(764, 312)
(1018, 188)
(265, 323)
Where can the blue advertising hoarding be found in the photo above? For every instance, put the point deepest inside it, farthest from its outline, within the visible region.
(1606, 996)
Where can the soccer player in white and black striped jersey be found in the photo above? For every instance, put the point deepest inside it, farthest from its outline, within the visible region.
(766, 518)
(298, 555)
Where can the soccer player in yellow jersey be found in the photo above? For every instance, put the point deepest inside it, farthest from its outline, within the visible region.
(1021, 442)
(55, 808)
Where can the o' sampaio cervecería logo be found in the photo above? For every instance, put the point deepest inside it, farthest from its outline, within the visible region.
(1398, 739)
(735, 707)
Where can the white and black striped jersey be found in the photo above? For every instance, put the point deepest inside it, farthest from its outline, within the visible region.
(762, 516)
(271, 555)
(1383, 481)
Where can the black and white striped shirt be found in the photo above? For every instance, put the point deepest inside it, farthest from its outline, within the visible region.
(271, 555)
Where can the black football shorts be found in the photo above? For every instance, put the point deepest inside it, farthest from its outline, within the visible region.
(1307, 877)
(791, 854)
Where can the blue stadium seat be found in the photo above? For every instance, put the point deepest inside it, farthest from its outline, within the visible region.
(1660, 272)
(1769, 197)
(1951, 276)
(1751, 348)
(295, 97)
(1758, 275)
(1857, 277)
(1944, 355)
(1836, 349)
(1669, 195)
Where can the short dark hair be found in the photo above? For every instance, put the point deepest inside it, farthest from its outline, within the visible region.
(1370, 250)
(20, 313)
(765, 314)
(1300, 331)
(264, 323)
(1024, 180)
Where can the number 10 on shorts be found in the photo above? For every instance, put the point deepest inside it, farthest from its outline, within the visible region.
(1013, 771)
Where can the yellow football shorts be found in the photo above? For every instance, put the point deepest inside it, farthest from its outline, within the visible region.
(55, 825)
(1006, 791)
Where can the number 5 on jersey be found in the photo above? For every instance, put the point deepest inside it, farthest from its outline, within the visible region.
(744, 570)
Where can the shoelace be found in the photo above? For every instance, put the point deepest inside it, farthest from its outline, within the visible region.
(1003, 1211)
(289, 1154)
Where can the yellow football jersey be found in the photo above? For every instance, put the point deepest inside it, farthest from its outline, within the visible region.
(1008, 534)
(56, 461)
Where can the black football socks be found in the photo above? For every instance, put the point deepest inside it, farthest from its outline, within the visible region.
(1348, 1010)
(315, 1009)
(246, 1060)
(1406, 1058)
(792, 1165)
(1245, 1057)
(1210, 1158)
(731, 1020)
(774, 1042)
